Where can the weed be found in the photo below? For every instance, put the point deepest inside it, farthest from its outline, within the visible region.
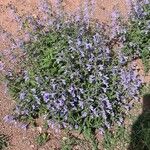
(42, 138)
(72, 142)
(3, 141)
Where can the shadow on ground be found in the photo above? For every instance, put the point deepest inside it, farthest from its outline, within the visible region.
(140, 136)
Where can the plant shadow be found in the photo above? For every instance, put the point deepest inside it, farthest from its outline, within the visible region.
(140, 134)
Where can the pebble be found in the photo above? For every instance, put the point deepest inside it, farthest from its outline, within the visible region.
(32, 146)
(39, 129)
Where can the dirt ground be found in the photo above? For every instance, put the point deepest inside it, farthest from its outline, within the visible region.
(24, 140)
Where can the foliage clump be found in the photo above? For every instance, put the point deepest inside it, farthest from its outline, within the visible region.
(3, 141)
(72, 76)
(137, 43)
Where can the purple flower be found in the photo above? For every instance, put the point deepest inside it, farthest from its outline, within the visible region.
(44, 6)
(122, 59)
(104, 89)
(91, 78)
(24, 126)
(64, 124)
(37, 99)
(84, 114)
(46, 96)
(107, 124)
(38, 80)
(9, 119)
(103, 115)
(105, 82)
(33, 90)
(146, 2)
(33, 107)
(128, 4)
(101, 131)
(51, 124)
(17, 109)
(89, 67)
(1, 65)
(96, 38)
(79, 41)
(81, 104)
(120, 121)
(25, 112)
(88, 46)
(86, 11)
(76, 127)
(72, 91)
(22, 95)
(26, 76)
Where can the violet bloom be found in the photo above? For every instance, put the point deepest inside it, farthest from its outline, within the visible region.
(138, 10)
(120, 121)
(26, 76)
(33, 107)
(84, 114)
(101, 131)
(103, 113)
(9, 119)
(129, 4)
(91, 78)
(96, 38)
(61, 102)
(1, 65)
(27, 37)
(146, 2)
(79, 41)
(81, 104)
(12, 10)
(24, 126)
(105, 82)
(107, 124)
(37, 79)
(72, 91)
(104, 89)
(37, 99)
(33, 90)
(86, 11)
(88, 46)
(122, 59)
(46, 97)
(17, 110)
(88, 67)
(64, 125)
(25, 112)
(76, 126)
(44, 6)
(22, 95)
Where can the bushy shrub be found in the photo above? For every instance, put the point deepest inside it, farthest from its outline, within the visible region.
(137, 43)
(72, 76)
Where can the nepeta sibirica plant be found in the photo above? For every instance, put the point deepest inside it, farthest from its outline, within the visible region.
(137, 44)
(72, 76)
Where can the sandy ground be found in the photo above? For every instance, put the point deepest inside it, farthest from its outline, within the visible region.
(24, 140)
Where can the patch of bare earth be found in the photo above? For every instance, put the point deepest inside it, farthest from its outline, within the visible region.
(19, 138)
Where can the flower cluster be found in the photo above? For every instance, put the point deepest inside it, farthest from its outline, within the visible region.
(137, 34)
(72, 76)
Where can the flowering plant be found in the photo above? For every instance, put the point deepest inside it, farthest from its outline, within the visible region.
(137, 43)
(72, 76)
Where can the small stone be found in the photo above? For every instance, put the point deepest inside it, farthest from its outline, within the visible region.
(41, 148)
(64, 138)
(32, 146)
(39, 129)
